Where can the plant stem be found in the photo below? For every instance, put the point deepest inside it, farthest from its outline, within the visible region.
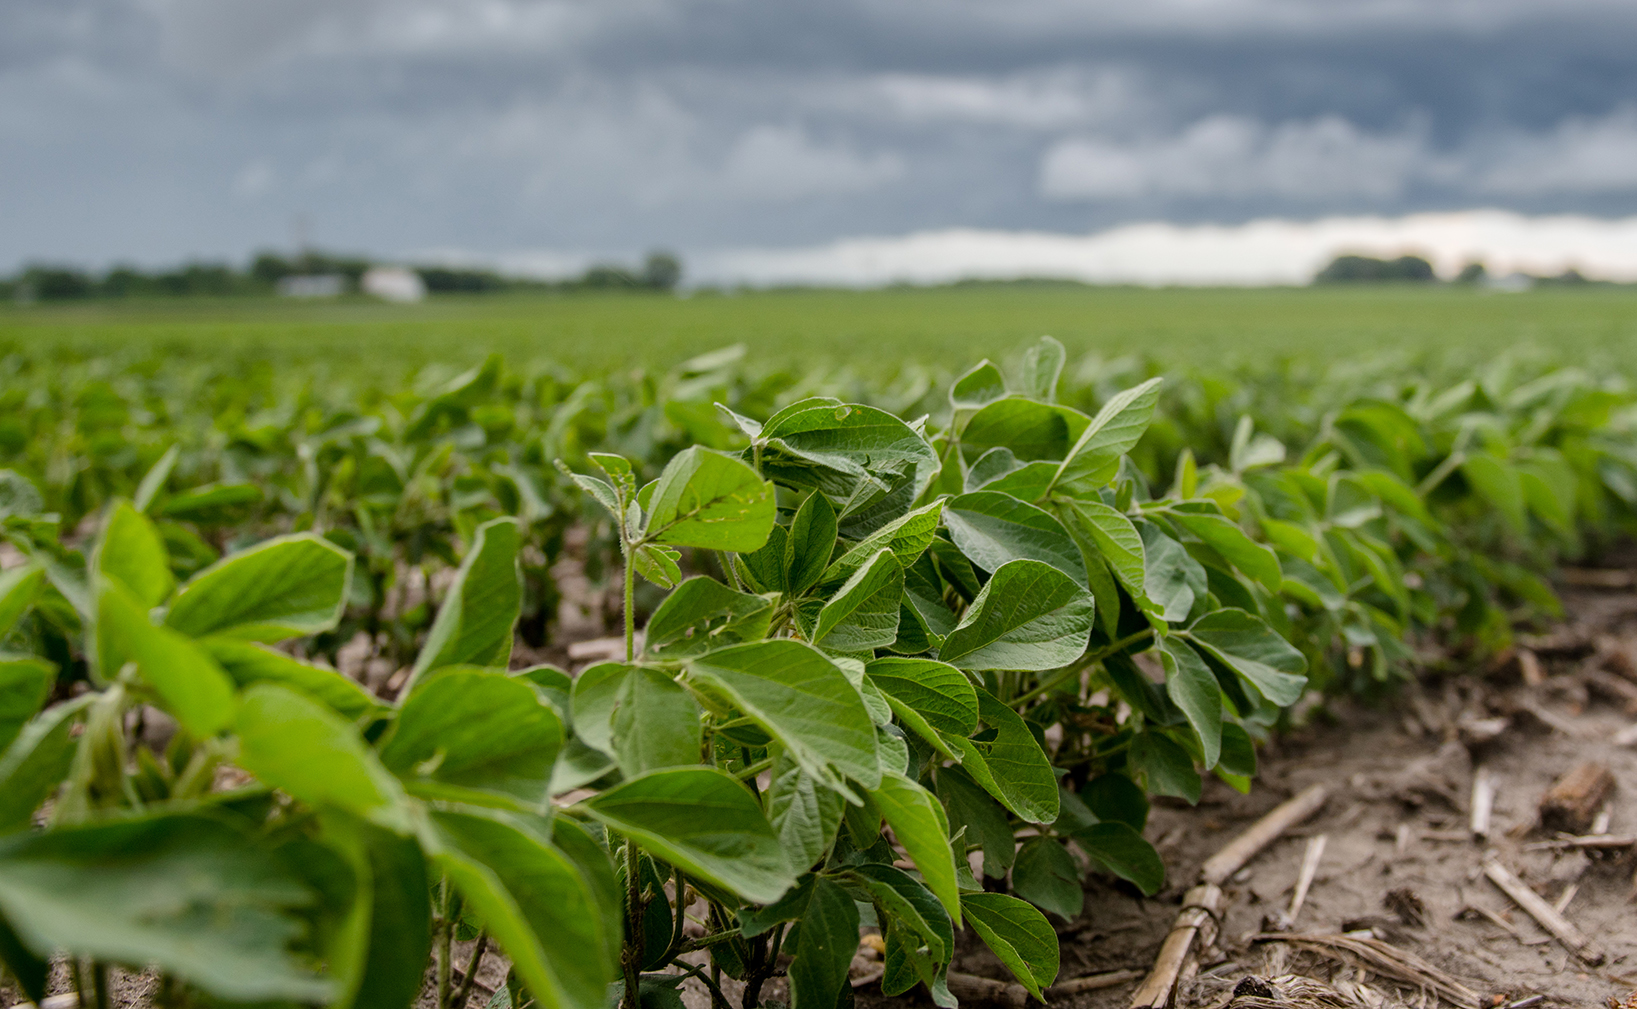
(630, 612)
(465, 990)
(755, 769)
(718, 1000)
(631, 959)
(446, 941)
(680, 882)
(99, 978)
(1090, 657)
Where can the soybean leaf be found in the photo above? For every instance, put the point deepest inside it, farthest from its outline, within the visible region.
(1172, 579)
(30, 970)
(805, 814)
(1046, 876)
(1500, 485)
(383, 946)
(656, 723)
(19, 587)
(809, 544)
(1012, 767)
(863, 613)
(658, 564)
(1020, 937)
(992, 465)
(992, 528)
(1116, 429)
(37, 761)
(703, 614)
(1125, 853)
(153, 481)
(1255, 651)
(905, 900)
(1190, 683)
(1029, 616)
(981, 385)
(1115, 538)
(295, 743)
(1028, 482)
(247, 663)
(704, 822)
(825, 944)
(984, 820)
(596, 693)
(1238, 752)
(850, 453)
(919, 824)
(579, 843)
(1226, 538)
(1166, 766)
(1042, 364)
(474, 625)
(24, 686)
(1030, 429)
(534, 901)
(937, 691)
(212, 504)
(132, 552)
(479, 737)
(110, 890)
(802, 699)
(1114, 797)
(907, 537)
(286, 587)
(764, 569)
(195, 689)
(711, 501)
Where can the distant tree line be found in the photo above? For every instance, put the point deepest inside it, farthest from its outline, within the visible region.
(661, 271)
(1351, 269)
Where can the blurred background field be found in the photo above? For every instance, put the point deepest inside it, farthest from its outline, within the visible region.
(945, 329)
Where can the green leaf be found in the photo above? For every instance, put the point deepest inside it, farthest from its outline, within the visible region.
(474, 625)
(1029, 429)
(825, 945)
(1012, 767)
(656, 724)
(1255, 651)
(1116, 798)
(658, 564)
(1172, 578)
(703, 614)
(1125, 853)
(30, 971)
(479, 737)
(35, 764)
(580, 844)
(24, 686)
(1192, 686)
(1042, 365)
(1046, 876)
(132, 552)
(907, 537)
(763, 570)
(711, 501)
(704, 822)
(1166, 766)
(937, 691)
(799, 697)
(1226, 538)
(596, 693)
(901, 898)
(1029, 616)
(247, 663)
(187, 894)
(153, 481)
(919, 824)
(1114, 536)
(984, 820)
(808, 547)
(1238, 752)
(804, 812)
(863, 613)
(295, 743)
(981, 385)
(850, 453)
(19, 587)
(379, 956)
(194, 688)
(1501, 486)
(285, 587)
(1116, 429)
(534, 901)
(213, 504)
(1020, 937)
(992, 528)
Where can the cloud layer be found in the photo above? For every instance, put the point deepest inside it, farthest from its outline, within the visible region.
(156, 129)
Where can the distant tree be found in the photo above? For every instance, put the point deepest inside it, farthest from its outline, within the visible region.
(55, 283)
(1472, 273)
(268, 268)
(1350, 269)
(607, 277)
(662, 271)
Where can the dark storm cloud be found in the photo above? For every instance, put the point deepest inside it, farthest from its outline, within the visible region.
(154, 129)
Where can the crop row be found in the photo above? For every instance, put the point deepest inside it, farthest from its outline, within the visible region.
(910, 674)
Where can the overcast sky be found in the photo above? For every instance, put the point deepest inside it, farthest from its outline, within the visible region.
(153, 130)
